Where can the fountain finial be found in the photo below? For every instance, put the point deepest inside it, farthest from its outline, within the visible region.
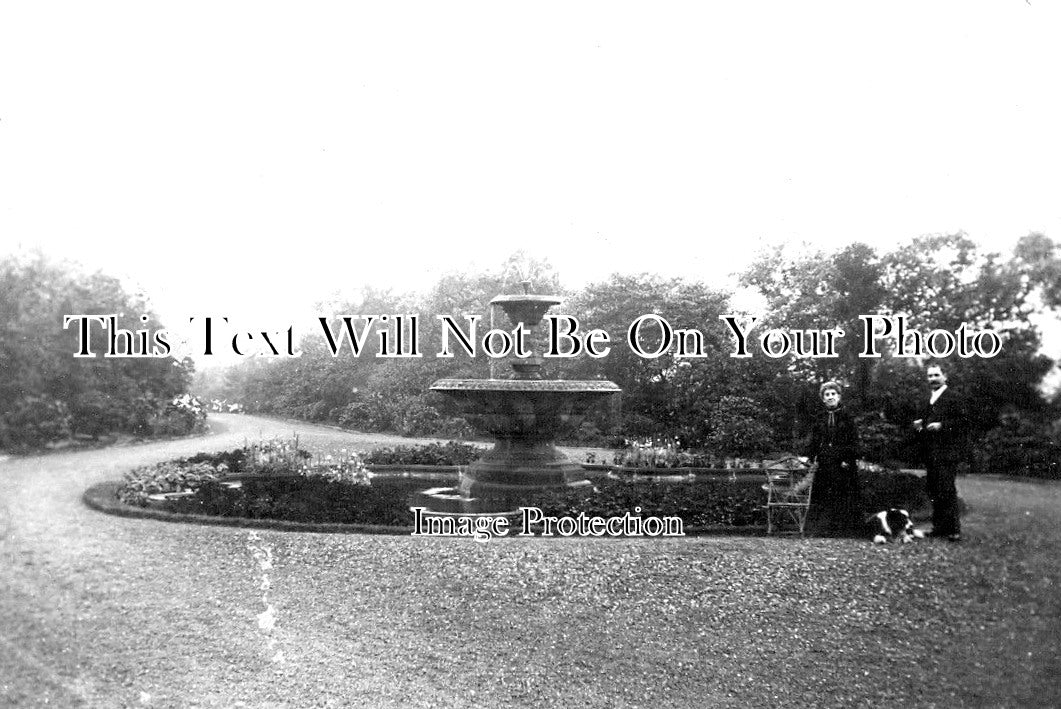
(526, 286)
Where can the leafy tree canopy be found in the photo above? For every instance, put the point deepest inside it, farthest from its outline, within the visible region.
(46, 392)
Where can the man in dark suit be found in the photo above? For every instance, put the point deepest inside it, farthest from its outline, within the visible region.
(941, 431)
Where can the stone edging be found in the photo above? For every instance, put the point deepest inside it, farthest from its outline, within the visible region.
(417, 468)
(103, 497)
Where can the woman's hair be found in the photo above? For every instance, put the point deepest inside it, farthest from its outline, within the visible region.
(827, 386)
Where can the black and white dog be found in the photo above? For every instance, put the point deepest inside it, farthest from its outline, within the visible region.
(893, 525)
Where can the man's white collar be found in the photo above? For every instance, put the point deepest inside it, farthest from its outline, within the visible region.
(936, 394)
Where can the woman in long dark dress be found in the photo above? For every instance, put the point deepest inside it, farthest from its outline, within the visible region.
(836, 508)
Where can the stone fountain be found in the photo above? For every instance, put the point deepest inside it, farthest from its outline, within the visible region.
(525, 414)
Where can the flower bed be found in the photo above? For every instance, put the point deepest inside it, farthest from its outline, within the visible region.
(266, 459)
(279, 481)
(700, 503)
(314, 500)
(386, 501)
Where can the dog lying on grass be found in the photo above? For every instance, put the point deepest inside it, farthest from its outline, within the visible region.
(893, 525)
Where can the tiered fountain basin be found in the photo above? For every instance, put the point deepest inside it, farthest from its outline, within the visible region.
(525, 417)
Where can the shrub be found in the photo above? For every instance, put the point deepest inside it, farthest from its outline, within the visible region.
(880, 440)
(171, 476)
(1019, 446)
(365, 415)
(737, 429)
(94, 414)
(450, 453)
(419, 419)
(34, 421)
(182, 416)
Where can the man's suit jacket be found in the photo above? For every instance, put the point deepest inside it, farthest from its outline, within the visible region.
(947, 445)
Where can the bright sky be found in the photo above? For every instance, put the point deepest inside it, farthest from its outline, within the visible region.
(249, 159)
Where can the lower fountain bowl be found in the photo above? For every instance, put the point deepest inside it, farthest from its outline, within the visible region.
(525, 417)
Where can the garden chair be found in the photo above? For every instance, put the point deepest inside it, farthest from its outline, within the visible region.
(788, 491)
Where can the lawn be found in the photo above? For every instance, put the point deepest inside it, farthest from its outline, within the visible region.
(97, 610)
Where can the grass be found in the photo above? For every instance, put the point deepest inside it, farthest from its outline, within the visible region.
(97, 610)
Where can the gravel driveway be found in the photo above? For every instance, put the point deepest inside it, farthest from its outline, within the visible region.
(105, 611)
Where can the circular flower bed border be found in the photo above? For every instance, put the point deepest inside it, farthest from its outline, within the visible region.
(103, 497)
(310, 504)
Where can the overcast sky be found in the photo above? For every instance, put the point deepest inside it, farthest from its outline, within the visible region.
(249, 159)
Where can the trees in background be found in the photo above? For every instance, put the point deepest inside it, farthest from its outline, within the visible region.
(46, 393)
(671, 396)
(938, 282)
(736, 406)
(743, 406)
(372, 394)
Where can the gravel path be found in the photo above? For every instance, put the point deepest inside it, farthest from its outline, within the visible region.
(104, 611)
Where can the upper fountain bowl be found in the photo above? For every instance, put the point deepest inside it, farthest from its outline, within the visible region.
(526, 308)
